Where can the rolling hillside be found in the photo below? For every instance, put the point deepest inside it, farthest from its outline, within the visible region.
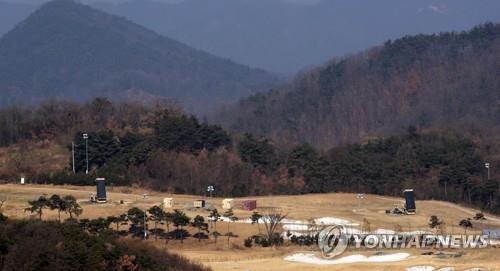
(69, 50)
(441, 81)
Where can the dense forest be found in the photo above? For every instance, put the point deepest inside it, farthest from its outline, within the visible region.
(447, 81)
(162, 148)
(39, 245)
(69, 50)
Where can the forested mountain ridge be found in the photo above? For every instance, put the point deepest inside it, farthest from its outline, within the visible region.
(445, 80)
(70, 50)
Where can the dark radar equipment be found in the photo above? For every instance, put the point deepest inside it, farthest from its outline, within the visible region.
(410, 207)
(101, 191)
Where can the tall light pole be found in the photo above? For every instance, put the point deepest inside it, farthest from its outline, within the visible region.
(73, 155)
(145, 233)
(210, 189)
(360, 198)
(487, 165)
(86, 137)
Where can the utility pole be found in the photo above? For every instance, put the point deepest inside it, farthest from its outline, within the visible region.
(86, 137)
(145, 234)
(487, 165)
(73, 155)
(360, 198)
(210, 189)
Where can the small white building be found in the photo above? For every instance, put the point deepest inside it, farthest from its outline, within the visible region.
(22, 180)
(227, 204)
(168, 203)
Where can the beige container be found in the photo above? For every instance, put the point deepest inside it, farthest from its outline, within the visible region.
(168, 203)
(199, 203)
(227, 204)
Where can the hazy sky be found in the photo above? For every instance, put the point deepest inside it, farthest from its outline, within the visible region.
(300, 2)
(286, 38)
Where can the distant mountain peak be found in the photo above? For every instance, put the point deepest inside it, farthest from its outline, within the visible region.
(66, 49)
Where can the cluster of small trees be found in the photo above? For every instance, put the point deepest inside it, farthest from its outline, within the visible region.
(136, 219)
(271, 218)
(66, 204)
(435, 222)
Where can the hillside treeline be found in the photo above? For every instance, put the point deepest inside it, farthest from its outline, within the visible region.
(60, 119)
(166, 150)
(447, 80)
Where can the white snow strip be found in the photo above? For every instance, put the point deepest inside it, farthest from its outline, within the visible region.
(331, 221)
(310, 258)
(292, 224)
(494, 242)
(295, 227)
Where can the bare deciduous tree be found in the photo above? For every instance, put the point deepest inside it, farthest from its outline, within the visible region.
(272, 218)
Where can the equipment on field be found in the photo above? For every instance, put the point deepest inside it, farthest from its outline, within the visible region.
(410, 207)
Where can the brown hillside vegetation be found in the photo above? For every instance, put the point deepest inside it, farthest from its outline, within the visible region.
(450, 80)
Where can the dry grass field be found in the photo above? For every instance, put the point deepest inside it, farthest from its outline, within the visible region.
(220, 256)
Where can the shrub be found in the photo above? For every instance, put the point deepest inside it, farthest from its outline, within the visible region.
(248, 242)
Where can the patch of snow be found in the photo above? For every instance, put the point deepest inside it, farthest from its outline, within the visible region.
(311, 258)
(295, 227)
(246, 221)
(494, 242)
(331, 221)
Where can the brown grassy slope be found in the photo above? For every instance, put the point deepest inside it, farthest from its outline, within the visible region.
(28, 158)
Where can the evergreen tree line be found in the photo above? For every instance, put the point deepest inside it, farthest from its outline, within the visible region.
(158, 223)
(155, 222)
